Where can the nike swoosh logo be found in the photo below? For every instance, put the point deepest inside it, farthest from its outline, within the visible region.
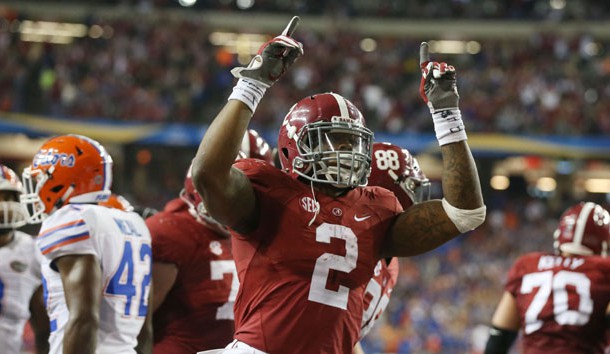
(362, 218)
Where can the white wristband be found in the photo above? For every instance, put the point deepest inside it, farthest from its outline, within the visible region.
(464, 220)
(249, 92)
(448, 126)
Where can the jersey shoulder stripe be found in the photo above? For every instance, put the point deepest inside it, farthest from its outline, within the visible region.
(62, 227)
(65, 241)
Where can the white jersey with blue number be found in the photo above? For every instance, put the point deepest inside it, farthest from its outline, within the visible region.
(19, 279)
(121, 242)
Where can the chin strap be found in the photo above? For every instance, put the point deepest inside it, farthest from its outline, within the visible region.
(61, 201)
(315, 203)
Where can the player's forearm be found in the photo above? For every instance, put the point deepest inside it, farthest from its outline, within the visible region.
(219, 147)
(81, 336)
(461, 186)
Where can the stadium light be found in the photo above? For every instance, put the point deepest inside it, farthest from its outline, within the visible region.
(499, 183)
(454, 47)
(597, 185)
(546, 184)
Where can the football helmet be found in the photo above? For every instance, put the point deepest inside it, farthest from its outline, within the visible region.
(254, 146)
(584, 229)
(324, 139)
(66, 169)
(117, 202)
(397, 170)
(12, 213)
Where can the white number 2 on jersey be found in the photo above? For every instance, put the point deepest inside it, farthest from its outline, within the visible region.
(218, 269)
(548, 284)
(318, 291)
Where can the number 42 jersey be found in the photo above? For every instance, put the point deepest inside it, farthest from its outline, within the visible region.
(121, 243)
(562, 302)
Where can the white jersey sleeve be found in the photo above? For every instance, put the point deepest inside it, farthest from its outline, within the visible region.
(19, 279)
(65, 233)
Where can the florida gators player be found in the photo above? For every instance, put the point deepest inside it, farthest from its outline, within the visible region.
(97, 260)
(309, 236)
(395, 169)
(560, 301)
(194, 275)
(20, 279)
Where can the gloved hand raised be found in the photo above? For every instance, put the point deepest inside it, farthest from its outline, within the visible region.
(273, 58)
(438, 84)
(439, 90)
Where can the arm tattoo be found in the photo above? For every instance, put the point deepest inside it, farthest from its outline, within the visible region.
(461, 186)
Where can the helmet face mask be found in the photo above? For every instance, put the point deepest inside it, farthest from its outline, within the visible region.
(12, 213)
(584, 229)
(324, 140)
(66, 169)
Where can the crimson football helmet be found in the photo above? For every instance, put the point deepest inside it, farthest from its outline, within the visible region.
(117, 202)
(324, 139)
(397, 170)
(584, 229)
(66, 169)
(12, 213)
(254, 146)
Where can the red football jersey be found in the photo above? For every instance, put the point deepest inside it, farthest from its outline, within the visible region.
(562, 302)
(377, 293)
(197, 313)
(302, 285)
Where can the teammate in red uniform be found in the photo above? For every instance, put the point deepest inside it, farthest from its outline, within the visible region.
(397, 170)
(561, 301)
(194, 277)
(309, 236)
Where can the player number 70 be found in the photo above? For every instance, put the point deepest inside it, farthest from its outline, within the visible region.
(554, 285)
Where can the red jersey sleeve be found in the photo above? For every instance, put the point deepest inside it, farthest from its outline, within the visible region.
(270, 185)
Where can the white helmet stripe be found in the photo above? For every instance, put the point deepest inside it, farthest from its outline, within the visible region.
(581, 222)
(245, 144)
(342, 105)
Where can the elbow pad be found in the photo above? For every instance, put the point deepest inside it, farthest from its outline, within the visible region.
(465, 220)
(500, 340)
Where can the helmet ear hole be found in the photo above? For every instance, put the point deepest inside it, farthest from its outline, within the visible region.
(57, 188)
(285, 152)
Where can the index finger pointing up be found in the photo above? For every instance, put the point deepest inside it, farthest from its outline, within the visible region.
(292, 25)
(424, 55)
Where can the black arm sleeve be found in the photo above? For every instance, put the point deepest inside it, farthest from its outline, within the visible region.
(499, 341)
(608, 321)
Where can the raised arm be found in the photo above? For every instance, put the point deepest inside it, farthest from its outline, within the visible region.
(226, 191)
(427, 225)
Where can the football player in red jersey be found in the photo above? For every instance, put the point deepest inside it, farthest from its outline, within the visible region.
(308, 236)
(395, 169)
(561, 302)
(194, 277)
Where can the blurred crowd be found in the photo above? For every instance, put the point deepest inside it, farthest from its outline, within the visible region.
(170, 72)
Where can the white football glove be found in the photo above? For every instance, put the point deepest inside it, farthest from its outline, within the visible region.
(273, 58)
(438, 84)
(438, 89)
